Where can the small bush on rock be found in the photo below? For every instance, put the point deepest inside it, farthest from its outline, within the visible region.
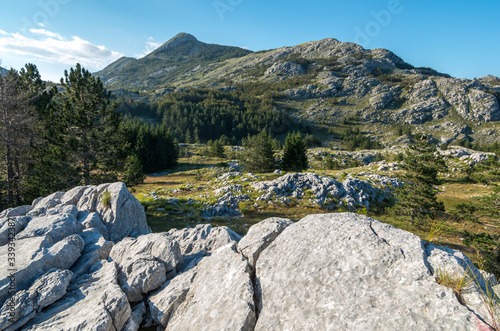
(106, 199)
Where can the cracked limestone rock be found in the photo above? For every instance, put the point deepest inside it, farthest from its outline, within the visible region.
(27, 303)
(125, 217)
(203, 237)
(145, 263)
(94, 302)
(220, 297)
(350, 272)
(34, 257)
(260, 236)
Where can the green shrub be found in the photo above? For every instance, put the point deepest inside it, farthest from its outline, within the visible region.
(106, 199)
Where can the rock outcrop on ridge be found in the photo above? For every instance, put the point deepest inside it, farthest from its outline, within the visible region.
(82, 266)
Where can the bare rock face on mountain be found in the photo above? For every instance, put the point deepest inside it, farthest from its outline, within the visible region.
(469, 100)
(285, 69)
(366, 276)
(346, 78)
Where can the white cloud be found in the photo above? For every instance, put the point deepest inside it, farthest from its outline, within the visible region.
(51, 47)
(46, 33)
(151, 45)
(3, 33)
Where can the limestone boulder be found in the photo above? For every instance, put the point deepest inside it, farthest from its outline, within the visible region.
(96, 248)
(125, 216)
(136, 317)
(34, 257)
(11, 226)
(220, 296)
(165, 302)
(55, 224)
(95, 302)
(17, 211)
(203, 237)
(145, 263)
(350, 272)
(26, 304)
(260, 236)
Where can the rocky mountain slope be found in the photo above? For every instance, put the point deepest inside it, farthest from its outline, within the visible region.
(86, 260)
(3, 71)
(323, 82)
(183, 53)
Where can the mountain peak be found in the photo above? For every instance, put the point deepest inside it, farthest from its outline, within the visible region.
(180, 38)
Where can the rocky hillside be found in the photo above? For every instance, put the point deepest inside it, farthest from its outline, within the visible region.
(180, 55)
(86, 260)
(323, 82)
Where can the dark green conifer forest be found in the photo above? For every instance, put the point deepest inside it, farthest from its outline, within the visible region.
(53, 139)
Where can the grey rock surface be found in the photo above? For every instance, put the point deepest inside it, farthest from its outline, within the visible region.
(11, 226)
(125, 217)
(165, 302)
(260, 236)
(145, 263)
(159, 245)
(95, 302)
(55, 224)
(17, 211)
(452, 263)
(136, 317)
(203, 237)
(34, 257)
(26, 304)
(326, 191)
(286, 69)
(366, 276)
(220, 297)
(96, 248)
(72, 197)
(92, 221)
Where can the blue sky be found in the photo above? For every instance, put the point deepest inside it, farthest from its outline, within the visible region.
(457, 37)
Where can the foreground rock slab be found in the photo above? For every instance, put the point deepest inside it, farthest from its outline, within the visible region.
(260, 236)
(27, 303)
(350, 272)
(36, 256)
(145, 263)
(219, 298)
(95, 302)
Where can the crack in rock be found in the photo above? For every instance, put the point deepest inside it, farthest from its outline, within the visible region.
(376, 234)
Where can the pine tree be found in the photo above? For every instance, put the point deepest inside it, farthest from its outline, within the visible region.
(258, 155)
(92, 125)
(21, 96)
(217, 150)
(134, 174)
(295, 154)
(14, 109)
(417, 199)
(48, 167)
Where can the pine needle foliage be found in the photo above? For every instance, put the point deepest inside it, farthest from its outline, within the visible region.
(416, 200)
